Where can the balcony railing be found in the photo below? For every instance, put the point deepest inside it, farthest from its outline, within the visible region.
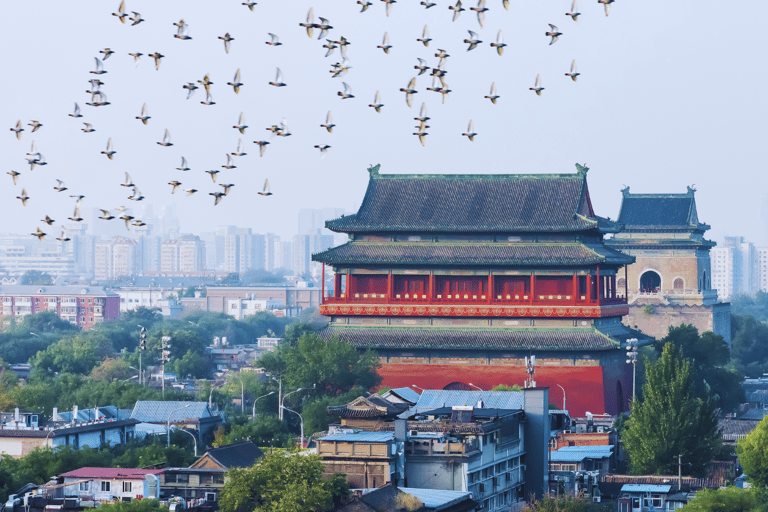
(465, 298)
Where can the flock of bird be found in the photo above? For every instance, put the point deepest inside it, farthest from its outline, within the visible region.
(98, 97)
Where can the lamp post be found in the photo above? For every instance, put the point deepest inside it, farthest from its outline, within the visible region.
(282, 400)
(300, 419)
(632, 359)
(168, 422)
(191, 434)
(561, 387)
(254, 402)
(478, 387)
(242, 391)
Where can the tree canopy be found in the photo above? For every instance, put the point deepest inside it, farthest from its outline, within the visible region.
(670, 420)
(281, 482)
(730, 499)
(753, 454)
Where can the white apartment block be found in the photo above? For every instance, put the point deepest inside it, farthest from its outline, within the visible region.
(115, 258)
(739, 268)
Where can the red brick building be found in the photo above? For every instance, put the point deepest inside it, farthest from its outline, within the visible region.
(84, 306)
(454, 279)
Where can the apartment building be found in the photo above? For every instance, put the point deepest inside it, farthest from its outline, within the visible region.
(84, 306)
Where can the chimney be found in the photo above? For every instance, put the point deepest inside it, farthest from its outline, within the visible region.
(74, 414)
(55, 414)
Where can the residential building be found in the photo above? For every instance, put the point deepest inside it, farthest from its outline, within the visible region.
(739, 268)
(670, 282)
(155, 416)
(17, 259)
(284, 255)
(449, 289)
(110, 484)
(271, 247)
(578, 469)
(312, 220)
(83, 306)
(185, 253)
(116, 258)
(641, 497)
(392, 499)
(220, 299)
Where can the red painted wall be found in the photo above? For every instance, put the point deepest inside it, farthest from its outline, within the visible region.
(585, 389)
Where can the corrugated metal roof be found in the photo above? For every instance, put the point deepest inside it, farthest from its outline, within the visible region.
(645, 488)
(407, 394)
(559, 456)
(158, 412)
(361, 437)
(589, 448)
(112, 473)
(437, 398)
(435, 498)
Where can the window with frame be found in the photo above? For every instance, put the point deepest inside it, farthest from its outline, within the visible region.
(84, 486)
(106, 486)
(127, 486)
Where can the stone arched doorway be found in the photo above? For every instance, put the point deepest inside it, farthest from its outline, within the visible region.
(650, 282)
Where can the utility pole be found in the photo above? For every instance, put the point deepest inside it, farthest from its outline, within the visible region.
(632, 359)
(280, 397)
(679, 472)
(142, 347)
(165, 357)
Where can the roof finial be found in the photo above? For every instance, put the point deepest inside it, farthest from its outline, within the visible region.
(373, 170)
(625, 191)
(692, 189)
(582, 169)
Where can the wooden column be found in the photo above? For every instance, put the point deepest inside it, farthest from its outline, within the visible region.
(533, 288)
(613, 286)
(599, 286)
(390, 286)
(490, 287)
(322, 287)
(589, 289)
(575, 290)
(346, 288)
(337, 285)
(431, 287)
(626, 285)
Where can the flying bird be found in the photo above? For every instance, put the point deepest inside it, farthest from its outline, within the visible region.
(136, 18)
(36, 125)
(323, 149)
(157, 56)
(389, 5)
(109, 152)
(39, 234)
(480, 9)
(184, 165)
(573, 74)
(23, 197)
(262, 146)
(267, 189)
(241, 126)
(107, 52)
(574, 11)
(365, 5)
(78, 198)
(235, 83)
(278, 79)
(76, 215)
(63, 238)
(127, 218)
(217, 197)
(143, 117)
(347, 92)
(175, 185)
(607, 4)
(226, 187)
(330, 46)
(76, 113)
(136, 195)
(553, 33)
(385, 43)
(48, 220)
(456, 10)
(18, 129)
(310, 24)
(249, 5)
(190, 191)
(88, 128)
(14, 175)
(323, 26)
(377, 104)
(136, 57)
(239, 151)
(493, 96)
(121, 12)
(537, 88)
(275, 41)
(105, 215)
(227, 41)
(61, 187)
(422, 118)
(422, 66)
(424, 39)
(190, 87)
(206, 82)
(470, 131)
(499, 44)
(473, 41)
(409, 91)
(166, 139)
(427, 5)
(213, 173)
(208, 99)
(229, 165)
(328, 122)
(99, 67)
(183, 31)
(128, 181)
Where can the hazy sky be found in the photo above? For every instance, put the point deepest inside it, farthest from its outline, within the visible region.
(670, 94)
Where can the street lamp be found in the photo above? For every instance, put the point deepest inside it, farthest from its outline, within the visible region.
(168, 422)
(254, 402)
(632, 359)
(242, 392)
(561, 387)
(282, 400)
(302, 423)
(191, 434)
(478, 387)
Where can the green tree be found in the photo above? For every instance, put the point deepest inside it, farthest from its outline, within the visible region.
(730, 499)
(112, 369)
(565, 503)
(281, 483)
(191, 364)
(505, 387)
(315, 410)
(75, 354)
(35, 277)
(264, 430)
(753, 454)
(749, 345)
(143, 505)
(670, 420)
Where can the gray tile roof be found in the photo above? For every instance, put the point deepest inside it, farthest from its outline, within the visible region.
(43, 290)
(472, 204)
(151, 411)
(437, 253)
(237, 455)
(432, 399)
(659, 210)
(544, 339)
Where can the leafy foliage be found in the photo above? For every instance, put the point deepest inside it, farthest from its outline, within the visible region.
(264, 430)
(730, 499)
(505, 387)
(670, 420)
(144, 505)
(35, 277)
(753, 454)
(281, 482)
(749, 344)
(565, 503)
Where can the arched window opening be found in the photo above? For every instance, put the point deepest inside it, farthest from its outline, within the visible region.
(678, 284)
(650, 282)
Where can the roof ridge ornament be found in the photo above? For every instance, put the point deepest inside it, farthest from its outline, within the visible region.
(373, 170)
(582, 169)
(625, 191)
(691, 189)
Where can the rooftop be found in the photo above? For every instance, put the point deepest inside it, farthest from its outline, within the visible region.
(432, 399)
(475, 203)
(152, 411)
(646, 488)
(112, 473)
(237, 455)
(437, 498)
(361, 437)
(659, 210)
(37, 290)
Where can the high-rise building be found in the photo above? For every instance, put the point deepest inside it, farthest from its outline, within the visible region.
(739, 268)
(301, 254)
(185, 253)
(115, 258)
(271, 245)
(284, 256)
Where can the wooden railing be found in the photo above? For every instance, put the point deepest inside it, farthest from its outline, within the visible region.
(521, 300)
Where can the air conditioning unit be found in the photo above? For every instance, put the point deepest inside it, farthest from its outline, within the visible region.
(567, 432)
(601, 430)
(596, 499)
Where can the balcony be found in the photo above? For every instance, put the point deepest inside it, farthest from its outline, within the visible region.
(437, 448)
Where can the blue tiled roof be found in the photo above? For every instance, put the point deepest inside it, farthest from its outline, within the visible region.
(361, 437)
(152, 411)
(407, 393)
(593, 448)
(574, 456)
(645, 488)
(435, 498)
(437, 398)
